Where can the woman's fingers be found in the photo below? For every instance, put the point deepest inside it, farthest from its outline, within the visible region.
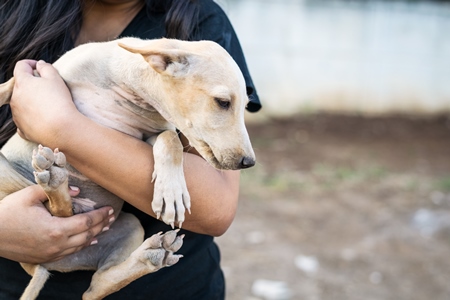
(80, 230)
(46, 70)
(24, 68)
(74, 191)
(88, 224)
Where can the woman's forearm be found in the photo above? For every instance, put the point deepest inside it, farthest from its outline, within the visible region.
(124, 166)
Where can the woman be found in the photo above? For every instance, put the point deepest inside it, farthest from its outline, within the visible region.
(44, 112)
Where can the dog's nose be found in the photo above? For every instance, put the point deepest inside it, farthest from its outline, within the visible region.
(246, 162)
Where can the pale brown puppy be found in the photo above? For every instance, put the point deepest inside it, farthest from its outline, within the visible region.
(145, 88)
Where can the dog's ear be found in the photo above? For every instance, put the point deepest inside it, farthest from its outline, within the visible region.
(172, 62)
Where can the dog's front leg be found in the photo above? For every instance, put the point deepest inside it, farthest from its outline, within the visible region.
(171, 198)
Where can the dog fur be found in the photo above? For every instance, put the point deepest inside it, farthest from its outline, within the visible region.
(147, 89)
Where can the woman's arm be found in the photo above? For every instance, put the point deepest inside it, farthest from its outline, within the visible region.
(29, 234)
(118, 162)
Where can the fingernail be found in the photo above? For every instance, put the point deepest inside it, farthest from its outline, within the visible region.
(106, 228)
(74, 188)
(41, 61)
(111, 219)
(94, 242)
(110, 212)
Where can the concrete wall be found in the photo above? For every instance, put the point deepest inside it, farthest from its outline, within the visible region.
(367, 57)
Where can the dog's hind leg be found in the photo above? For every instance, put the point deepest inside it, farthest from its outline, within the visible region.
(40, 276)
(117, 271)
(11, 180)
(52, 175)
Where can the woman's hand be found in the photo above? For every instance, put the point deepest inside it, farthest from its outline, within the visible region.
(40, 104)
(29, 234)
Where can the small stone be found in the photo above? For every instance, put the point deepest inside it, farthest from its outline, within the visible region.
(271, 290)
(308, 264)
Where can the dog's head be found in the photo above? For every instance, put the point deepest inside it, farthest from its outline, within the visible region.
(204, 97)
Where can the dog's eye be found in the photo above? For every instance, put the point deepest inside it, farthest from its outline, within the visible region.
(225, 104)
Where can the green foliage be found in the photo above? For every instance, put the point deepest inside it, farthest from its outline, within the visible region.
(443, 184)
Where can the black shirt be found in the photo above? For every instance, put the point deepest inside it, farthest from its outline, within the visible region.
(197, 275)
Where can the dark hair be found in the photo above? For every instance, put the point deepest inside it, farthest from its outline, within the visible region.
(180, 16)
(46, 29)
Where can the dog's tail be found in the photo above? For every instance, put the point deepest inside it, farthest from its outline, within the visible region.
(6, 91)
(40, 276)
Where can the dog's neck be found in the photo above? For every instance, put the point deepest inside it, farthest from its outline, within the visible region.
(142, 92)
(137, 90)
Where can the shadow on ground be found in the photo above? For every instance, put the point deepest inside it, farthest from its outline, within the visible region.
(343, 208)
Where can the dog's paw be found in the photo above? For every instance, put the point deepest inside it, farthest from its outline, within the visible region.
(171, 198)
(50, 167)
(158, 250)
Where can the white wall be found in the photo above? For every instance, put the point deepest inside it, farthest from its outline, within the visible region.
(368, 57)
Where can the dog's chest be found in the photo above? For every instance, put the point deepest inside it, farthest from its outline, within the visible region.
(115, 108)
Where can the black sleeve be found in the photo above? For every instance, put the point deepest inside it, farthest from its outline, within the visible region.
(215, 26)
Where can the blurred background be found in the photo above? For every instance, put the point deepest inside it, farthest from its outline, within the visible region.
(350, 197)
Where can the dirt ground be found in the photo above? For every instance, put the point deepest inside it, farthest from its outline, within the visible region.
(342, 207)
